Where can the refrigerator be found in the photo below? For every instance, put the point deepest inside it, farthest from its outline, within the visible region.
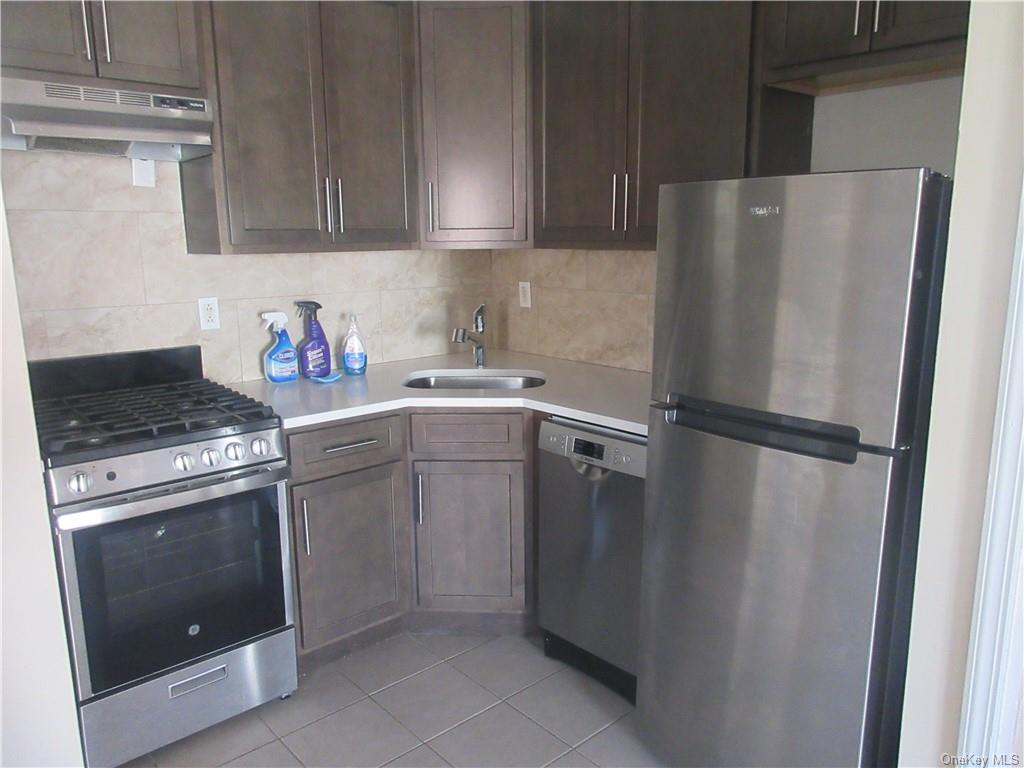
(795, 328)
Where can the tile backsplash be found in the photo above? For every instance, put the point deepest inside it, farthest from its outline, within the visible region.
(102, 266)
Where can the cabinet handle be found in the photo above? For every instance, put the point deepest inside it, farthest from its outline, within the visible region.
(305, 524)
(856, 18)
(106, 29)
(341, 209)
(430, 206)
(329, 203)
(419, 499)
(878, 13)
(85, 28)
(351, 446)
(615, 195)
(625, 203)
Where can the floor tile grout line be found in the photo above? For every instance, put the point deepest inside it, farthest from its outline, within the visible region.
(249, 751)
(463, 721)
(552, 762)
(364, 697)
(290, 752)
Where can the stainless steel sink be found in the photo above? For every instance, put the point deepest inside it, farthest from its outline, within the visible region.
(474, 378)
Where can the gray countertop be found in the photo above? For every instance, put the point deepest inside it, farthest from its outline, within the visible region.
(611, 397)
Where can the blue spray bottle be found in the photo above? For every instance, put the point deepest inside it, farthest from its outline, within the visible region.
(314, 351)
(280, 362)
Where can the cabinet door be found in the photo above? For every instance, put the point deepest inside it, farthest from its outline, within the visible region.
(469, 535)
(269, 75)
(368, 66)
(802, 32)
(53, 37)
(148, 42)
(352, 551)
(580, 76)
(689, 66)
(909, 22)
(473, 70)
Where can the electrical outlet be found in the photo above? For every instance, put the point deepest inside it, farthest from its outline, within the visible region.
(209, 314)
(525, 298)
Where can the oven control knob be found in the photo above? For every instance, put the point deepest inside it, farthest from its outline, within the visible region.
(80, 482)
(234, 451)
(260, 446)
(210, 457)
(184, 462)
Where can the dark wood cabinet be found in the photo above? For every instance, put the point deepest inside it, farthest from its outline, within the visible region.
(799, 32)
(630, 96)
(53, 37)
(272, 122)
(580, 71)
(368, 82)
(470, 535)
(688, 83)
(352, 552)
(474, 126)
(148, 42)
(909, 22)
(143, 42)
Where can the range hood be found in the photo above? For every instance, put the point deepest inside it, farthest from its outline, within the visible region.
(36, 114)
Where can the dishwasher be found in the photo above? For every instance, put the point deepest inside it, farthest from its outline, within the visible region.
(590, 540)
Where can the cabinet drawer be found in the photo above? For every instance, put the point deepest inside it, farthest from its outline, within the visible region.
(345, 447)
(479, 434)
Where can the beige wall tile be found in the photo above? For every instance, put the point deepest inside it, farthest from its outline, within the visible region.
(509, 267)
(375, 270)
(64, 181)
(559, 269)
(71, 259)
(415, 323)
(33, 326)
(594, 326)
(623, 271)
(172, 274)
(222, 360)
(466, 268)
(509, 325)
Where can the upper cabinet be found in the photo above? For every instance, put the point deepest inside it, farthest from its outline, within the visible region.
(473, 75)
(629, 96)
(804, 33)
(144, 42)
(315, 149)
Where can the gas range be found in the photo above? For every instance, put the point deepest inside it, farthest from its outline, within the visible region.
(100, 444)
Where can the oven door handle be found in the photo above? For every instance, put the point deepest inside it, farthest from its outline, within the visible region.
(92, 514)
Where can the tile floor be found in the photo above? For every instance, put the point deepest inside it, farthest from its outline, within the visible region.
(428, 700)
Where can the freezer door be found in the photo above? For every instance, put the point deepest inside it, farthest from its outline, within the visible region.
(760, 576)
(792, 294)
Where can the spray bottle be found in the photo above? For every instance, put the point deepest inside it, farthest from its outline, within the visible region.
(280, 362)
(314, 351)
(353, 350)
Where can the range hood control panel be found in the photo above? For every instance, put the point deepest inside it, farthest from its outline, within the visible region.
(180, 102)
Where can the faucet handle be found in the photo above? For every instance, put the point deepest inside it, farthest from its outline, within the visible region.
(479, 318)
(458, 335)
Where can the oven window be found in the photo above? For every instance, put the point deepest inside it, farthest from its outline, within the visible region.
(167, 588)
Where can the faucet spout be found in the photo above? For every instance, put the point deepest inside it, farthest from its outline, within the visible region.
(462, 335)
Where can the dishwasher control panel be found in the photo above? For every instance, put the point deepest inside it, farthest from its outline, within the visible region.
(617, 451)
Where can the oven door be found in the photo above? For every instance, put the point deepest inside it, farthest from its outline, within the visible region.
(156, 582)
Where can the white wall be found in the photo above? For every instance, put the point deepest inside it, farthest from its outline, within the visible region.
(983, 225)
(899, 126)
(38, 717)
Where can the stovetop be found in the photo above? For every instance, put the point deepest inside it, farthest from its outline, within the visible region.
(79, 428)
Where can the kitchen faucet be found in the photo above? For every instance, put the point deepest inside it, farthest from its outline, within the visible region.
(461, 336)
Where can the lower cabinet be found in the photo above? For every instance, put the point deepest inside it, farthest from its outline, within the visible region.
(469, 520)
(352, 551)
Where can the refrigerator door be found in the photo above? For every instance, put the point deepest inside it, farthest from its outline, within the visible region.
(760, 577)
(792, 294)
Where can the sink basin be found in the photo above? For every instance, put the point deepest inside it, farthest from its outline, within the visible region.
(474, 378)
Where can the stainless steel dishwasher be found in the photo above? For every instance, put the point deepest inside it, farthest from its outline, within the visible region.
(590, 538)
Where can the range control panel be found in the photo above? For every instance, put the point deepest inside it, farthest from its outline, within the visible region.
(617, 451)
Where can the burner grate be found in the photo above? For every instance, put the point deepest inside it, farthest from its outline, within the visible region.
(81, 422)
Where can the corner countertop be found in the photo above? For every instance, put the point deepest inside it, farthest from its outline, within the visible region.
(610, 397)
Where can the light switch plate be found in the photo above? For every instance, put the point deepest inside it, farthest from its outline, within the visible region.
(209, 314)
(525, 297)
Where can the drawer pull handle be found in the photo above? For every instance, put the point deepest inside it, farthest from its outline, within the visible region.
(419, 499)
(305, 524)
(196, 682)
(351, 446)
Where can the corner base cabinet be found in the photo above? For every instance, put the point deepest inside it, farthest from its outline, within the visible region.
(469, 535)
(352, 552)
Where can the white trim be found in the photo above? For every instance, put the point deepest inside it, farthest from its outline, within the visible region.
(989, 724)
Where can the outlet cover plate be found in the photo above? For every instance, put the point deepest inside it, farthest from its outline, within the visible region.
(525, 296)
(209, 314)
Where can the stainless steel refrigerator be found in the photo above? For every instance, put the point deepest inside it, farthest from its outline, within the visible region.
(794, 337)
